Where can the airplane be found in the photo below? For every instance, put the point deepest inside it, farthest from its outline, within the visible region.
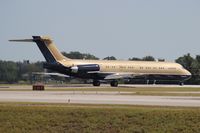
(106, 70)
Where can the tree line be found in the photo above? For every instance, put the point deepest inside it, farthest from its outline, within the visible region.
(15, 72)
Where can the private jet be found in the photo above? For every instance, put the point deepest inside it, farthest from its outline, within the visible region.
(106, 70)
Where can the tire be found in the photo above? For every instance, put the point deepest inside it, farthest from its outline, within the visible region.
(96, 83)
(181, 83)
(114, 83)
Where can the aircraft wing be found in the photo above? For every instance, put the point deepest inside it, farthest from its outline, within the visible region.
(122, 76)
(51, 74)
(114, 75)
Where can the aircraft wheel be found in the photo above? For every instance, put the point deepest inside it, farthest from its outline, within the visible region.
(96, 83)
(181, 83)
(114, 83)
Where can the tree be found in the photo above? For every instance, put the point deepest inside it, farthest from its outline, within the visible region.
(109, 58)
(198, 58)
(134, 59)
(8, 71)
(196, 64)
(148, 58)
(186, 61)
(78, 55)
(191, 65)
(195, 70)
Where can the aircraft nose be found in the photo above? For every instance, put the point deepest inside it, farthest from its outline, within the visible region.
(187, 74)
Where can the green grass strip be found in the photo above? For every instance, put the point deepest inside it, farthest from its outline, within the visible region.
(56, 118)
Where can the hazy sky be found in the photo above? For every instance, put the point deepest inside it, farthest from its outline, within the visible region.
(122, 28)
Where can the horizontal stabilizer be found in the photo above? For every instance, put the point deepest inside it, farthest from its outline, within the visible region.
(35, 38)
(22, 40)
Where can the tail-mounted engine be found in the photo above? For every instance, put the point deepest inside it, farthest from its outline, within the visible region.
(85, 68)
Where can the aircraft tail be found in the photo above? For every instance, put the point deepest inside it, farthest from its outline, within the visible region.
(47, 47)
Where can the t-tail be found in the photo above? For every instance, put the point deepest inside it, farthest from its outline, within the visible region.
(47, 47)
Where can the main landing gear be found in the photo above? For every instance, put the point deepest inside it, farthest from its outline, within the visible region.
(181, 83)
(96, 83)
(113, 83)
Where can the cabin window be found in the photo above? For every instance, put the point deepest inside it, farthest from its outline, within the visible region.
(130, 67)
(161, 68)
(172, 68)
(148, 67)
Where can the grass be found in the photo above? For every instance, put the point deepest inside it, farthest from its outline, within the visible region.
(53, 118)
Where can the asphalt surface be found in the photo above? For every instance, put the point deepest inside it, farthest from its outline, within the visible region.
(74, 86)
(24, 93)
(96, 98)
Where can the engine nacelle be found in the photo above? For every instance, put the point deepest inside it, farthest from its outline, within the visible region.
(74, 69)
(85, 68)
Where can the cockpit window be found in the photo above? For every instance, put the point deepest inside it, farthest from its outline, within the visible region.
(182, 67)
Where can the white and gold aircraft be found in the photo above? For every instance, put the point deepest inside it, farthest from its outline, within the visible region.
(111, 71)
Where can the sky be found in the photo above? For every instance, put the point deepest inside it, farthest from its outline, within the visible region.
(122, 28)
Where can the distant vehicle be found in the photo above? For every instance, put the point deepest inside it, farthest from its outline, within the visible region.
(106, 70)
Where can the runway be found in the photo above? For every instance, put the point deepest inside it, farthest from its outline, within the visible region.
(88, 86)
(96, 98)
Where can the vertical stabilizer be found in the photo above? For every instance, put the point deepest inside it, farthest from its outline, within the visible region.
(47, 47)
